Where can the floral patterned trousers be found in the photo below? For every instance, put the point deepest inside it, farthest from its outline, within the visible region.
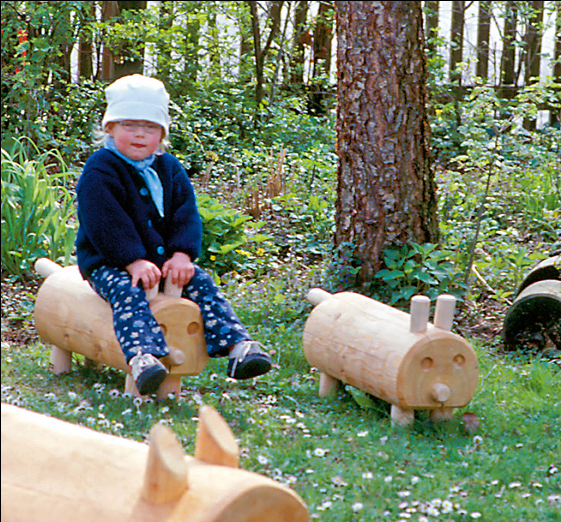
(138, 332)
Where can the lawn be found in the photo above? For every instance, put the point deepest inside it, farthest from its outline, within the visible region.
(342, 455)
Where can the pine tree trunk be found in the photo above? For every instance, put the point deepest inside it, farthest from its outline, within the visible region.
(386, 190)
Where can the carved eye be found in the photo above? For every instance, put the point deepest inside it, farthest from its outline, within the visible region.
(459, 360)
(193, 328)
(427, 363)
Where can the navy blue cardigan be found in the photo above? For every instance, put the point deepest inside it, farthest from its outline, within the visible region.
(118, 221)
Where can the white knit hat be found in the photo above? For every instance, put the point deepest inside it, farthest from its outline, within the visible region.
(137, 97)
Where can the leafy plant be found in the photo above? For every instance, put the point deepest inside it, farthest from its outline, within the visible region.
(224, 233)
(417, 269)
(38, 215)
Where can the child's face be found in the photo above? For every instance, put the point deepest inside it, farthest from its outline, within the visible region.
(136, 139)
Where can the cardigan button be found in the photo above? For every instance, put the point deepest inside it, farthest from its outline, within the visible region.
(161, 250)
(149, 222)
(143, 191)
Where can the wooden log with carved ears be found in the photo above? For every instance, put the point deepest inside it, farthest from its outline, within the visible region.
(398, 357)
(56, 471)
(71, 317)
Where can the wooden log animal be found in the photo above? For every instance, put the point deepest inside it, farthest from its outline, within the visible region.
(398, 357)
(73, 318)
(56, 471)
(534, 317)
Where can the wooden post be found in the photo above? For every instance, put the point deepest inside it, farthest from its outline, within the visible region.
(327, 385)
(419, 312)
(444, 313)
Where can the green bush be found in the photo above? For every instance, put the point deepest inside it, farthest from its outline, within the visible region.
(224, 235)
(38, 214)
(417, 269)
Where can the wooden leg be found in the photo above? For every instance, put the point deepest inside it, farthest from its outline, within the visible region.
(171, 384)
(61, 360)
(442, 414)
(402, 417)
(327, 385)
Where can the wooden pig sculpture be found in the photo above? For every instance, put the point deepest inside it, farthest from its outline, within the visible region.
(73, 318)
(398, 357)
(55, 471)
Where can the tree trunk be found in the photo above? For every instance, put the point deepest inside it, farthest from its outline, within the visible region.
(509, 49)
(555, 117)
(262, 52)
(533, 44)
(323, 35)
(164, 59)
(110, 10)
(126, 62)
(298, 41)
(483, 31)
(431, 13)
(85, 47)
(192, 45)
(386, 190)
(533, 41)
(456, 40)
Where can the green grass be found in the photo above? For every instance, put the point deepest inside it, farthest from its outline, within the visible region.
(347, 463)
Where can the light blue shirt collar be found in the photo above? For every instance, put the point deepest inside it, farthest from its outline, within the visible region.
(149, 175)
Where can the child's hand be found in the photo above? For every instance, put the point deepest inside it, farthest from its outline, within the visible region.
(180, 267)
(145, 271)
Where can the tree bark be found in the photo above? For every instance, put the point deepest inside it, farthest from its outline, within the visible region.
(456, 40)
(164, 59)
(483, 32)
(298, 42)
(386, 189)
(126, 62)
(110, 10)
(323, 35)
(85, 47)
(533, 41)
(262, 52)
(532, 59)
(555, 117)
(431, 13)
(509, 50)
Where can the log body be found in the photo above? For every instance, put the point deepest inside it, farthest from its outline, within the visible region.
(71, 316)
(55, 471)
(369, 345)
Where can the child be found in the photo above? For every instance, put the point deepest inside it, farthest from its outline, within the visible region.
(139, 223)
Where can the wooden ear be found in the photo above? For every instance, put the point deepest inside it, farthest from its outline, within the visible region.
(215, 443)
(166, 469)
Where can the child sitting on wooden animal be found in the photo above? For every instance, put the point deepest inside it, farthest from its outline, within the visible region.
(139, 223)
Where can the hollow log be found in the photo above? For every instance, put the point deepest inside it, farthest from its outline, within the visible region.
(397, 357)
(549, 268)
(56, 471)
(534, 317)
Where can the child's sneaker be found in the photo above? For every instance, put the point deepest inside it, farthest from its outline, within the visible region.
(147, 372)
(247, 360)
